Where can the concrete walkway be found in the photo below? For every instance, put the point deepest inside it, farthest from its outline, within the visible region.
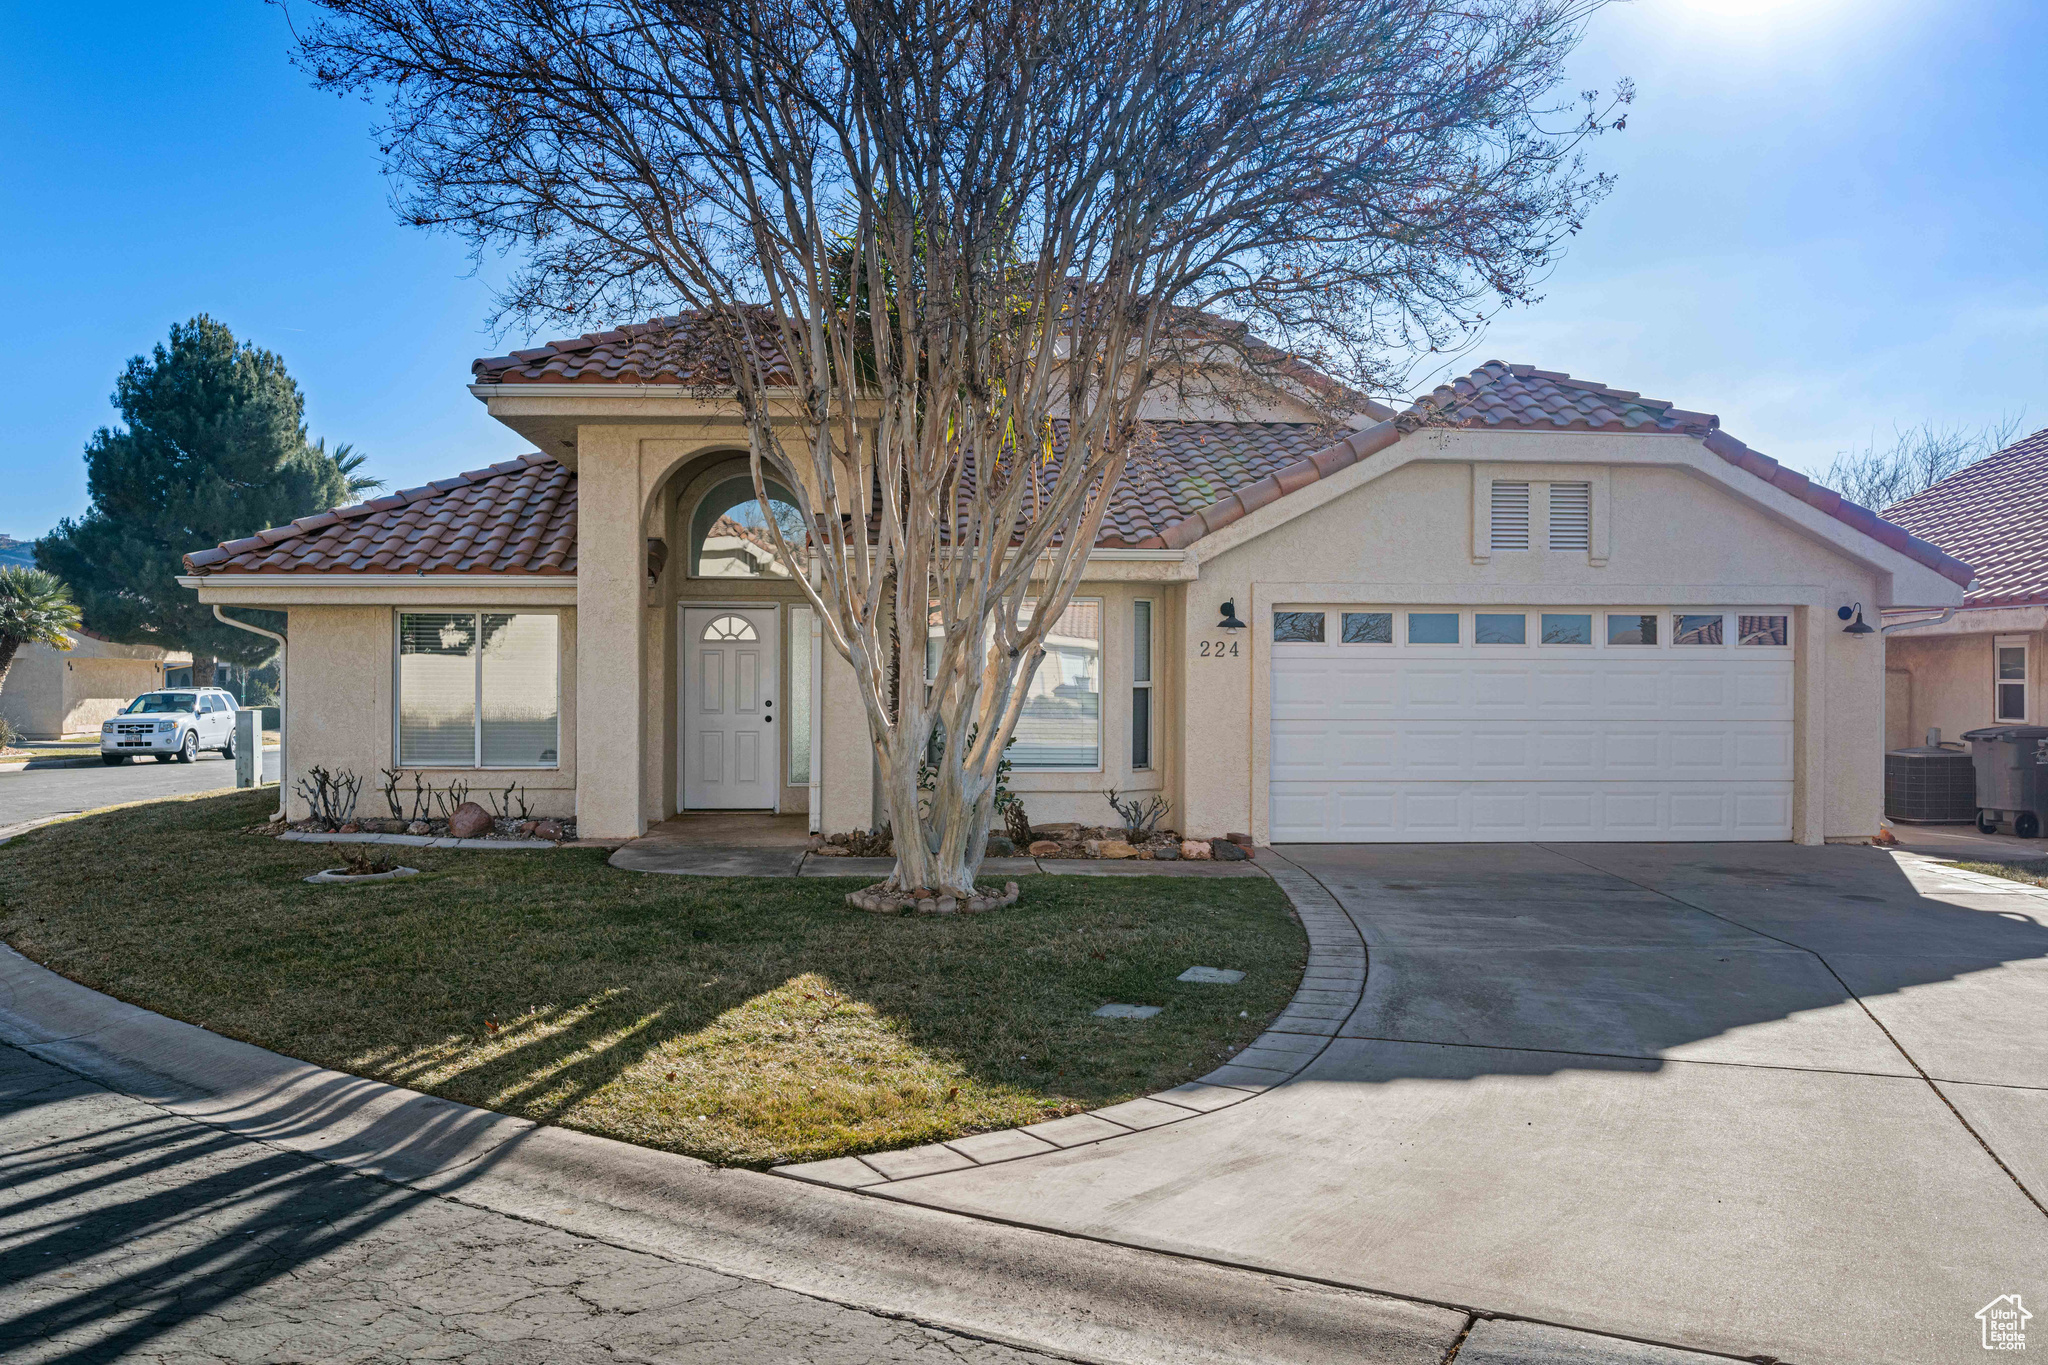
(1753, 1099)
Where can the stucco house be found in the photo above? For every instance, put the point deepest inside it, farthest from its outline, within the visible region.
(1983, 664)
(1529, 607)
(51, 693)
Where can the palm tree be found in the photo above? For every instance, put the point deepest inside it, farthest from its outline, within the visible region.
(348, 462)
(35, 608)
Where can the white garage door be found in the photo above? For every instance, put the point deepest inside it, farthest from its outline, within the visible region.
(1445, 724)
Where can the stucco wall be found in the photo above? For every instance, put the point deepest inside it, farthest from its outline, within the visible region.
(340, 697)
(52, 693)
(1408, 536)
(1949, 682)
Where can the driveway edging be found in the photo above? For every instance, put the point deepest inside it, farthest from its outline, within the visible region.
(1332, 984)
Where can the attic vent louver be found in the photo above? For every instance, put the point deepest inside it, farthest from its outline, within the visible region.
(1510, 516)
(1571, 516)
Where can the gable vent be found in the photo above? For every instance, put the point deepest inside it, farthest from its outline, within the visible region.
(1510, 516)
(1571, 516)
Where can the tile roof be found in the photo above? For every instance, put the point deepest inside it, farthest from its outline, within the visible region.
(667, 350)
(1193, 478)
(518, 516)
(1994, 513)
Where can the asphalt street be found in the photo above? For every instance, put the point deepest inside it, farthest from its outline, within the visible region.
(129, 1233)
(37, 793)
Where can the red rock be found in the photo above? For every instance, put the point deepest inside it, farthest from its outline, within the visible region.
(549, 829)
(469, 821)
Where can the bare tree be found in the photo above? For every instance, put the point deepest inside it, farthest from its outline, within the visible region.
(937, 251)
(1917, 459)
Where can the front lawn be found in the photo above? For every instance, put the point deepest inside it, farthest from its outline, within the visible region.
(2033, 872)
(743, 1020)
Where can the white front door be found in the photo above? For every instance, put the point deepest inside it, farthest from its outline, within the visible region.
(728, 725)
(1559, 723)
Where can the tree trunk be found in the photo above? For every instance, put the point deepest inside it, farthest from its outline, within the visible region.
(940, 835)
(202, 670)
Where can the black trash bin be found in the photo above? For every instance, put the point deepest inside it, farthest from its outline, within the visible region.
(2012, 778)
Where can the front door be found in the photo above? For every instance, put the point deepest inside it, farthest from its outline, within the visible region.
(728, 726)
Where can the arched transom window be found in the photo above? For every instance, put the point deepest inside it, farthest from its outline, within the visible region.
(730, 628)
(729, 537)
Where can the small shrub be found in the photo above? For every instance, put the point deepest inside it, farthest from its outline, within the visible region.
(1140, 817)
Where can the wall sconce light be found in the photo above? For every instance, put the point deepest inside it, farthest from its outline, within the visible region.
(1230, 621)
(1857, 626)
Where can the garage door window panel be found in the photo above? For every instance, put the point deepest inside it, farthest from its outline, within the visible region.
(1762, 631)
(1368, 628)
(1433, 628)
(1500, 628)
(1691, 628)
(1567, 628)
(1298, 627)
(1631, 629)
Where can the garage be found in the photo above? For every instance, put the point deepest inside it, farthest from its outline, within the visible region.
(1435, 723)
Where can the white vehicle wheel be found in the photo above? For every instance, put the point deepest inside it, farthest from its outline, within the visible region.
(189, 750)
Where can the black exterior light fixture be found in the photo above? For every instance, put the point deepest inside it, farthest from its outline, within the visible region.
(1857, 626)
(1230, 621)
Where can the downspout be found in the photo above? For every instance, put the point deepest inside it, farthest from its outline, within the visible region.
(283, 727)
(1947, 614)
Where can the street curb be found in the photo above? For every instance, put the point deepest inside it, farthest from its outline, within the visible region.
(1078, 1299)
(91, 760)
(1332, 984)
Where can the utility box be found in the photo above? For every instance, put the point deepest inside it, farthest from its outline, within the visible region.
(2012, 777)
(249, 747)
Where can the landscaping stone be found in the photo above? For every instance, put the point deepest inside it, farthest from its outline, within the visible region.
(1043, 848)
(879, 900)
(1195, 849)
(1127, 1011)
(1114, 848)
(1224, 851)
(418, 828)
(999, 846)
(469, 821)
(1166, 853)
(1215, 976)
(549, 829)
(1065, 829)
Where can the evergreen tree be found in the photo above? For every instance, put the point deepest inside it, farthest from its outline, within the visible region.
(214, 448)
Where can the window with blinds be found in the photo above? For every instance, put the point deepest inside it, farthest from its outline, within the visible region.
(1571, 516)
(1510, 516)
(1141, 685)
(478, 690)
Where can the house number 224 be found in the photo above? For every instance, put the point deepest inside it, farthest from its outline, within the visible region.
(1219, 649)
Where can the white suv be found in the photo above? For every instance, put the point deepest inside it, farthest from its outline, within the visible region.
(175, 723)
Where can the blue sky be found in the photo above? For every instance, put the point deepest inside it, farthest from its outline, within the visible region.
(1828, 223)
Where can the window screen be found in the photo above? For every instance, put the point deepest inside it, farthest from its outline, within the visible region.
(2012, 682)
(1510, 516)
(478, 690)
(1571, 516)
(1061, 723)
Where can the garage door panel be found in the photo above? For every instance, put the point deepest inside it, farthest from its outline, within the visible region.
(1380, 743)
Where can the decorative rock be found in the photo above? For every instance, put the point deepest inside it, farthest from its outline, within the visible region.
(947, 905)
(1044, 848)
(1195, 848)
(1224, 851)
(418, 827)
(999, 847)
(829, 851)
(1166, 852)
(526, 828)
(1244, 841)
(927, 906)
(1114, 848)
(469, 821)
(549, 829)
(350, 828)
(1066, 829)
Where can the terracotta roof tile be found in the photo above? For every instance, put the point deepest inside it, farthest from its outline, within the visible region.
(518, 516)
(1994, 513)
(670, 350)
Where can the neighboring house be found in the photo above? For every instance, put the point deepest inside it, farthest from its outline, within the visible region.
(51, 693)
(1531, 607)
(1984, 665)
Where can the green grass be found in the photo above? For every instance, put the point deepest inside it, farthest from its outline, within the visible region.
(742, 1020)
(2033, 872)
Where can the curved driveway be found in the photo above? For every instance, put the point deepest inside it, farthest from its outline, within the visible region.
(1756, 1099)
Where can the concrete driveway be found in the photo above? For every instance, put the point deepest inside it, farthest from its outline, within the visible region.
(1757, 1099)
